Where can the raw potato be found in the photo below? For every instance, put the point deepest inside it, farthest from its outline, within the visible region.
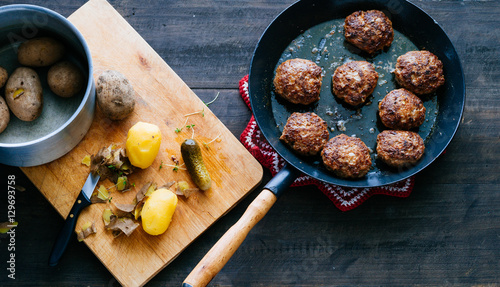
(40, 52)
(115, 95)
(65, 79)
(4, 115)
(23, 93)
(3, 76)
(158, 211)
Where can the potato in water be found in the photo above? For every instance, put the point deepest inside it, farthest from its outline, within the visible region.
(65, 79)
(40, 52)
(23, 93)
(3, 77)
(4, 115)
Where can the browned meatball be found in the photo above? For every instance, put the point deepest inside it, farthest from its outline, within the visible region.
(354, 81)
(347, 157)
(298, 81)
(306, 133)
(370, 31)
(400, 148)
(401, 110)
(421, 72)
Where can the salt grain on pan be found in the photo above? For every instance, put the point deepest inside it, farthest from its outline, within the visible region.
(341, 125)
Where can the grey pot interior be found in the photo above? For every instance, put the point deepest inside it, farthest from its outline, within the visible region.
(64, 121)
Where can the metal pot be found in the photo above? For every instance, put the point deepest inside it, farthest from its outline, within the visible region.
(64, 121)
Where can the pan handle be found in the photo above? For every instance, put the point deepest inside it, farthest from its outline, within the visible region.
(222, 251)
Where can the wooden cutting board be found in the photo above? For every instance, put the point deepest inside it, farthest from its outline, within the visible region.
(162, 98)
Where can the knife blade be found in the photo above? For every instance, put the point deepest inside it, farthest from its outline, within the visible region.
(82, 201)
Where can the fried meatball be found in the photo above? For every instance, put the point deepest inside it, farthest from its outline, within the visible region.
(305, 133)
(400, 148)
(420, 72)
(354, 81)
(401, 110)
(370, 31)
(298, 81)
(347, 157)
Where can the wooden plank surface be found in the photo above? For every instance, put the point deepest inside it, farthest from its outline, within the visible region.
(162, 98)
(445, 233)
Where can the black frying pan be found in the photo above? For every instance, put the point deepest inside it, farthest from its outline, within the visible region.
(270, 113)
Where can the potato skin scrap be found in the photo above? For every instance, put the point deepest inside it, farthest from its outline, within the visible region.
(115, 95)
(6, 226)
(111, 163)
(87, 230)
(86, 160)
(121, 225)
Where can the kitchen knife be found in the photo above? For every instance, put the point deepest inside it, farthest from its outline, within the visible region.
(82, 201)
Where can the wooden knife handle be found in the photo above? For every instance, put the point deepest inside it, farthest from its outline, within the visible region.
(220, 253)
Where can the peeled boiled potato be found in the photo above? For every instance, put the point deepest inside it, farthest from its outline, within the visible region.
(158, 210)
(143, 144)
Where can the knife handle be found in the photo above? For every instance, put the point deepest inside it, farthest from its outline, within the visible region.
(67, 229)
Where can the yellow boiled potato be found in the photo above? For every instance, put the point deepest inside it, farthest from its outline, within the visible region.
(158, 210)
(143, 144)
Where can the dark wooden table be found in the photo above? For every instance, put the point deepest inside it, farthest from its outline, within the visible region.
(446, 232)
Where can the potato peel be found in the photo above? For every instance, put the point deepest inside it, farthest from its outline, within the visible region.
(6, 226)
(111, 162)
(86, 160)
(122, 225)
(183, 189)
(124, 210)
(121, 183)
(106, 216)
(87, 229)
(143, 191)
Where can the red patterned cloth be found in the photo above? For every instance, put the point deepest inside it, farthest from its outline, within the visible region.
(344, 198)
